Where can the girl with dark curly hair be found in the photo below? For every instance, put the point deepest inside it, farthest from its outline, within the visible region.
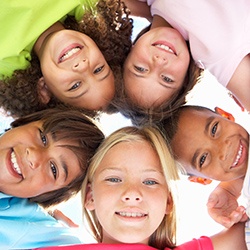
(62, 52)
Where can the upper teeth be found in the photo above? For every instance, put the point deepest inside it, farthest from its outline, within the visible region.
(165, 47)
(69, 53)
(14, 162)
(131, 214)
(238, 156)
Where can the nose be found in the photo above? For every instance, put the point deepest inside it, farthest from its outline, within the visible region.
(132, 194)
(224, 149)
(80, 65)
(159, 59)
(34, 157)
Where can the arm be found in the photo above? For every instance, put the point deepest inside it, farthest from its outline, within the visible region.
(230, 239)
(138, 8)
(223, 206)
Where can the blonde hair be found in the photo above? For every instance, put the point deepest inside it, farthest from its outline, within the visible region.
(165, 235)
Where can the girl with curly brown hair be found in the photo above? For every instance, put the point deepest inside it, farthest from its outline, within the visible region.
(62, 52)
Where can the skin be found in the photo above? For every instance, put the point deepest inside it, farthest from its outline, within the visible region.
(33, 163)
(211, 146)
(82, 78)
(153, 74)
(124, 184)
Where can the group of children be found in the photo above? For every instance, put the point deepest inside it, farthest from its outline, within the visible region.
(62, 59)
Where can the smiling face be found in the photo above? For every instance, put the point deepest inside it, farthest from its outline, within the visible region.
(156, 67)
(125, 183)
(32, 163)
(211, 146)
(75, 70)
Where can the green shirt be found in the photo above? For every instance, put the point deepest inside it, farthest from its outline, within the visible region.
(23, 21)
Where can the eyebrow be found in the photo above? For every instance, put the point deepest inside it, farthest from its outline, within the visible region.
(206, 131)
(101, 79)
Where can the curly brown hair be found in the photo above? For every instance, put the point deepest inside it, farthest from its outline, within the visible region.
(109, 25)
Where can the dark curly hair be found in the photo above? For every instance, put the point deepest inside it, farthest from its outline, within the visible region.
(141, 116)
(84, 138)
(109, 25)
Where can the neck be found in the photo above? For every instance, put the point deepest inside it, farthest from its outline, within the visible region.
(158, 21)
(41, 39)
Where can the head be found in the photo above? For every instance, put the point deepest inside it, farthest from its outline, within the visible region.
(45, 155)
(131, 168)
(105, 32)
(208, 144)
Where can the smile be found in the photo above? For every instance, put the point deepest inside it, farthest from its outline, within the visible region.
(238, 156)
(131, 214)
(164, 47)
(15, 164)
(69, 53)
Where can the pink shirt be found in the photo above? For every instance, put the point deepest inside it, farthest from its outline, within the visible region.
(218, 31)
(203, 243)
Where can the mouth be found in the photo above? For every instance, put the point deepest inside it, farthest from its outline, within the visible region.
(238, 157)
(15, 164)
(131, 214)
(69, 52)
(164, 47)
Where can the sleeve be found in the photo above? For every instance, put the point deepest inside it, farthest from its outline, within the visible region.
(203, 243)
(25, 225)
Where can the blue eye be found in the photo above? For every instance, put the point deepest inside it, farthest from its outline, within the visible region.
(150, 182)
(113, 179)
(98, 70)
(43, 137)
(53, 169)
(166, 79)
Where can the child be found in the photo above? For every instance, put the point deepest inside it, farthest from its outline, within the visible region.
(217, 149)
(156, 64)
(43, 158)
(129, 196)
(62, 52)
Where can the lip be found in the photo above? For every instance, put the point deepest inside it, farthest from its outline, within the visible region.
(10, 167)
(242, 154)
(131, 214)
(67, 49)
(171, 46)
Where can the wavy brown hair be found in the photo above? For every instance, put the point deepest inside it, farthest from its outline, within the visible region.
(109, 25)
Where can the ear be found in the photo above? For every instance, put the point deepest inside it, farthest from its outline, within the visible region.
(200, 180)
(170, 204)
(89, 200)
(43, 91)
(225, 114)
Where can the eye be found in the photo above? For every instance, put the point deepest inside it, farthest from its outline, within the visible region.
(53, 169)
(214, 129)
(43, 138)
(166, 79)
(140, 69)
(98, 70)
(75, 86)
(113, 179)
(150, 182)
(202, 160)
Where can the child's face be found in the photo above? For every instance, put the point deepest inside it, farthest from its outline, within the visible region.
(156, 67)
(211, 146)
(130, 194)
(76, 72)
(33, 163)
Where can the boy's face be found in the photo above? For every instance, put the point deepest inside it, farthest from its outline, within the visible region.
(210, 146)
(32, 163)
(156, 67)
